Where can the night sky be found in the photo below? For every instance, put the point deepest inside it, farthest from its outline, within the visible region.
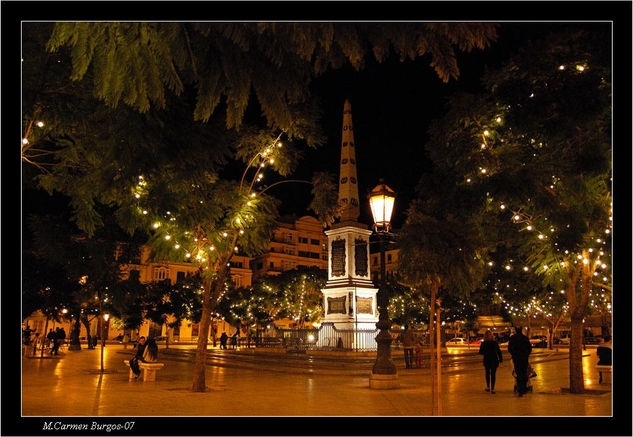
(393, 103)
(392, 106)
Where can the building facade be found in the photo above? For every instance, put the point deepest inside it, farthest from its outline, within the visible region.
(295, 243)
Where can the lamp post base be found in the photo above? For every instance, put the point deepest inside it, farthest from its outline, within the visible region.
(381, 382)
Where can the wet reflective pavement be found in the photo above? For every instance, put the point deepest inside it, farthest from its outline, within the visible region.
(270, 384)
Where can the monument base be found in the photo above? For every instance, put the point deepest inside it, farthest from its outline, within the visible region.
(382, 382)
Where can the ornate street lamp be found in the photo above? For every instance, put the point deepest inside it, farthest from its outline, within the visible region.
(383, 374)
(106, 316)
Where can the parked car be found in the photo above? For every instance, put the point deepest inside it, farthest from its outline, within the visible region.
(593, 340)
(538, 341)
(118, 338)
(563, 340)
(456, 342)
(476, 341)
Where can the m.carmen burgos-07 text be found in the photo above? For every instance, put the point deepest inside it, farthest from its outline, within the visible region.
(94, 426)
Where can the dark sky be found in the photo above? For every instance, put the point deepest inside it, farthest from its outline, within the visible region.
(392, 105)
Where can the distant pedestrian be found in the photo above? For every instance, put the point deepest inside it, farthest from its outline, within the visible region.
(223, 339)
(50, 339)
(492, 359)
(61, 339)
(27, 335)
(234, 339)
(125, 340)
(520, 348)
(418, 355)
(55, 342)
(408, 342)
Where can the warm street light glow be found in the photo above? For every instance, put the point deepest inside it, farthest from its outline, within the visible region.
(381, 200)
(106, 316)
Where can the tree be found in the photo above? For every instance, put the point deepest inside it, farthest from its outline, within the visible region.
(406, 305)
(441, 250)
(535, 150)
(161, 170)
(294, 294)
(231, 59)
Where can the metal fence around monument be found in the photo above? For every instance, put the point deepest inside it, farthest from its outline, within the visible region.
(331, 338)
(327, 337)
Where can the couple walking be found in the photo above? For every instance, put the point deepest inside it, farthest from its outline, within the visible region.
(519, 348)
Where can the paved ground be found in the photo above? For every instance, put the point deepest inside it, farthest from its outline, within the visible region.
(283, 385)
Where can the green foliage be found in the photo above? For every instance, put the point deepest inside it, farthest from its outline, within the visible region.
(442, 248)
(324, 197)
(294, 294)
(531, 159)
(136, 62)
(406, 306)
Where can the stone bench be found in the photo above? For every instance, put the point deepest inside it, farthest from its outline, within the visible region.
(606, 369)
(149, 370)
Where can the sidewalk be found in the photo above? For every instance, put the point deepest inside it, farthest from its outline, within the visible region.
(71, 385)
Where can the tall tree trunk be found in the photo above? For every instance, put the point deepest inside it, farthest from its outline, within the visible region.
(529, 325)
(553, 330)
(86, 322)
(576, 378)
(438, 363)
(44, 338)
(212, 290)
(75, 344)
(432, 346)
(199, 368)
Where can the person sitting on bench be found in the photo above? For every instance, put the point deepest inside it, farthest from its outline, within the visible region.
(604, 352)
(146, 351)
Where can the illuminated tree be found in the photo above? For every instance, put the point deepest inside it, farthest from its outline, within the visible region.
(406, 305)
(535, 150)
(294, 294)
(176, 176)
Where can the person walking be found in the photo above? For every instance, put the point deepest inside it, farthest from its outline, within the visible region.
(223, 339)
(234, 339)
(520, 348)
(50, 339)
(61, 338)
(408, 342)
(492, 359)
(125, 340)
(418, 354)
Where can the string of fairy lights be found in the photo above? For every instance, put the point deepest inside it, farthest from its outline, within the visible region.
(202, 245)
(593, 257)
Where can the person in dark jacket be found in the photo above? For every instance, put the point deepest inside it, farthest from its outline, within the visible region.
(408, 343)
(604, 352)
(520, 348)
(492, 358)
(56, 341)
(234, 339)
(223, 339)
(140, 350)
(51, 338)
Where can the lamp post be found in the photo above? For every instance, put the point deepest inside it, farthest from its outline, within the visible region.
(383, 374)
(106, 316)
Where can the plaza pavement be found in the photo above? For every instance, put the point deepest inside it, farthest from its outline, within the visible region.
(71, 385)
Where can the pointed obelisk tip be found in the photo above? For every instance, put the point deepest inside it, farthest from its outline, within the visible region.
(347, 105)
